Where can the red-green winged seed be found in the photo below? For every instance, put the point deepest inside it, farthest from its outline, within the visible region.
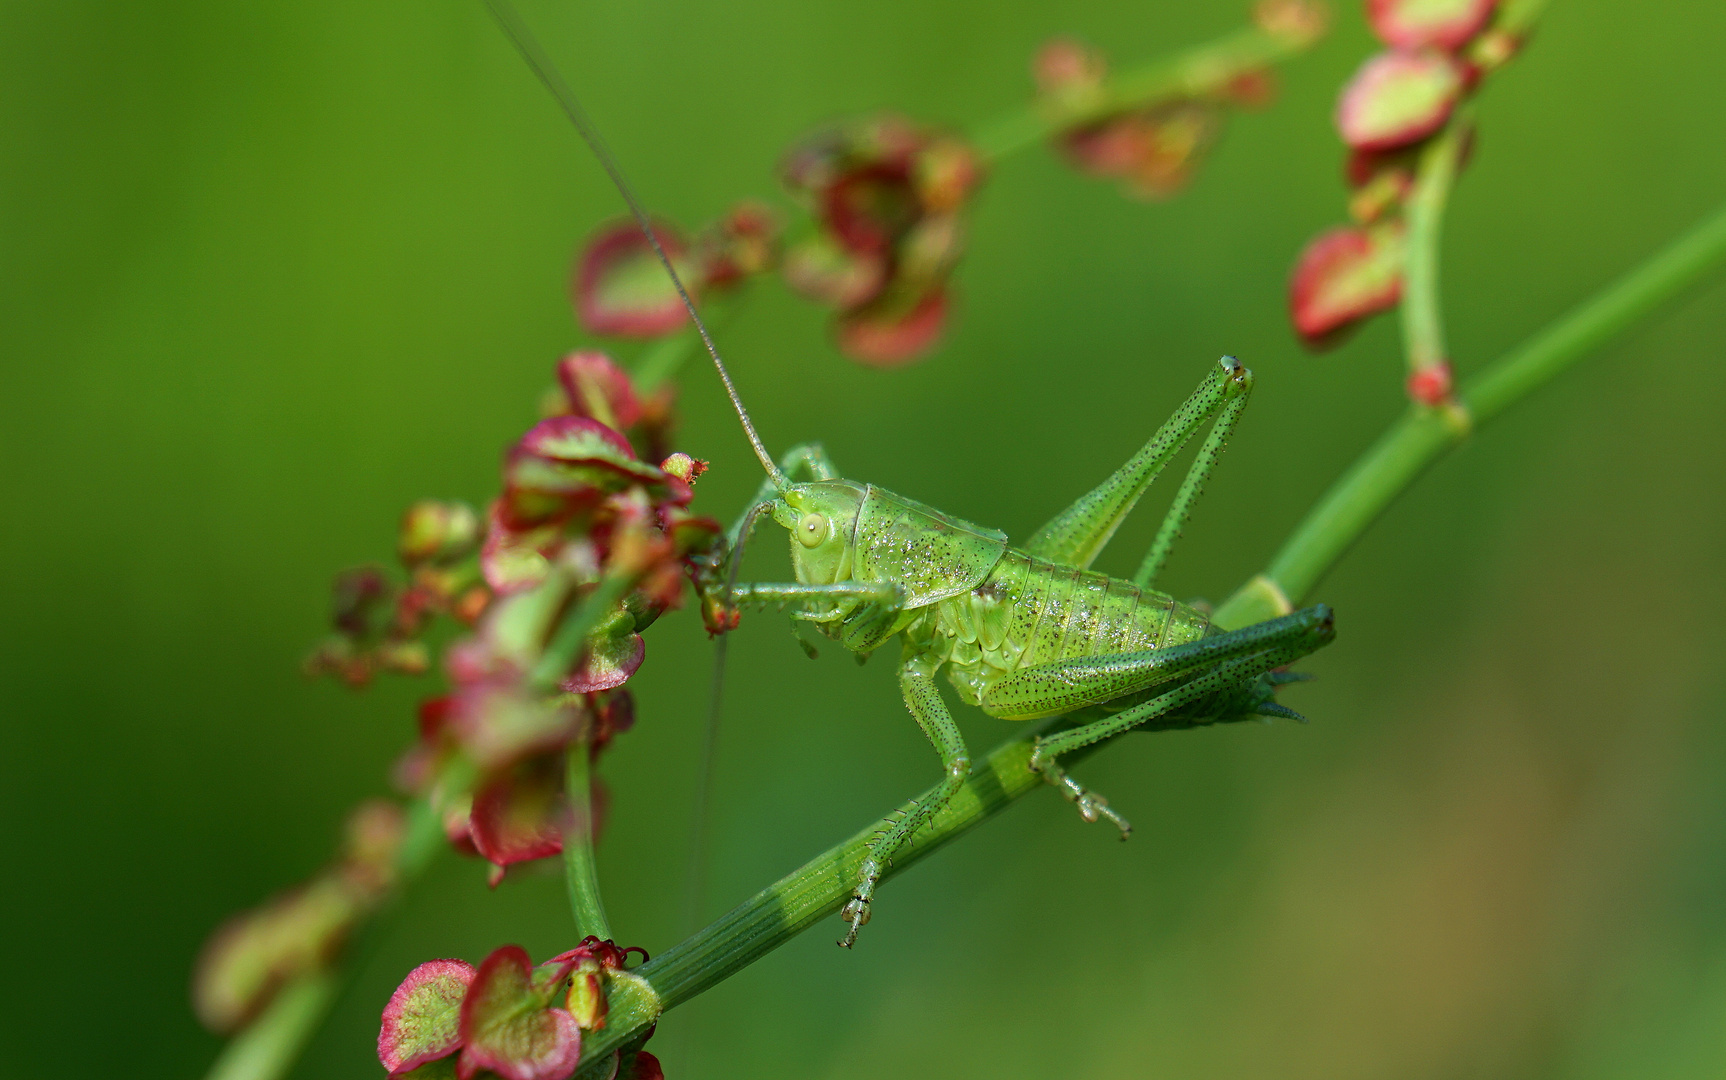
(441, 1069)
(828, 272)
(1423, 24)
(1343, 276)
(883, 339)
(620, 288)
(434, 531)
(519, 815)
(422, 1022)
(1069, 69)
(1397, 98)
(598, 389)
(509, 1026)
(613, 653)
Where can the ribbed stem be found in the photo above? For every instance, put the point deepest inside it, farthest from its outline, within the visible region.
(579, 873)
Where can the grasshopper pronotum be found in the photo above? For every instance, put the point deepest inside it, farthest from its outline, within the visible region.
(1023, 632)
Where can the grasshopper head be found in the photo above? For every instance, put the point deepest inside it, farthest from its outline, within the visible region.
(822, 519)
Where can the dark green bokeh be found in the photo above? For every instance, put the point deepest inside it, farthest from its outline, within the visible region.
(274, 270)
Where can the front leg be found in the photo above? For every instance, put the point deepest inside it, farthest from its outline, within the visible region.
(803, 460)
(917, 680)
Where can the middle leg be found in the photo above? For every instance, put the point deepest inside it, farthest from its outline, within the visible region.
(916, 679)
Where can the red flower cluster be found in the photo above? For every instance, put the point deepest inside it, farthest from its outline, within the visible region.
(887, 196)
(508, 1016)
(1400, 98)
(1152, 148)
(620, 289)
(1153, 145)
(586, 540)
(379, 622)
(587, 545)
(256, 953)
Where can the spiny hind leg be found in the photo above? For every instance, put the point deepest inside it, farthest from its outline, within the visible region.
(1293, 637)
(1075, 535)
(924, 701)
(1045, 758)
(1194, 484)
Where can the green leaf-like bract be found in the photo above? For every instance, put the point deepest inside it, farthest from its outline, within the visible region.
(423, 1019)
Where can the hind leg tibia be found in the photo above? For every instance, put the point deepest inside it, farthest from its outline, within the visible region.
(1281, 641)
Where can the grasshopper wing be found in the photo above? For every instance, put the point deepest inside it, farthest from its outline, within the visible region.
(930, 554)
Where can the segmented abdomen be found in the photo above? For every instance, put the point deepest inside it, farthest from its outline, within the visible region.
(1029, 612)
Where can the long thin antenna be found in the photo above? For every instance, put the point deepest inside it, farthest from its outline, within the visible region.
(526, 44)
(704, 781)
(695, 884)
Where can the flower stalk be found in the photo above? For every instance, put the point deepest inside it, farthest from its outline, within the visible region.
(1422, 314)
(571, 637)
(269, 1045)
(814, 891)
(1197, 72)
(579, 873)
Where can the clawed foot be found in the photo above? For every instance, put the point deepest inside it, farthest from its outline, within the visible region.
(1092, 806)
(856, 910)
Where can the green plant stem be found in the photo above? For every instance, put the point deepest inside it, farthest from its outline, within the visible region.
(1201, 71)
(1423, 435)
(1422, 316)
(818, 888)
(1519, 16)
(269, 1045)
(813, 892)
(579, 873)
(662, 360)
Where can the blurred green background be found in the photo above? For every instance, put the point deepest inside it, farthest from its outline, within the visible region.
(273, 270)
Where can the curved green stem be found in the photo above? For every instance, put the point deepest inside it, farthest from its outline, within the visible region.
(570, 637)
(1423, 435)
(267, 1048)
(662, 360)
(1422, 316)
(819, 887)
(579, 873)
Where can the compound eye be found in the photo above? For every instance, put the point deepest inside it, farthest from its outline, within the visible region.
(812, 530)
